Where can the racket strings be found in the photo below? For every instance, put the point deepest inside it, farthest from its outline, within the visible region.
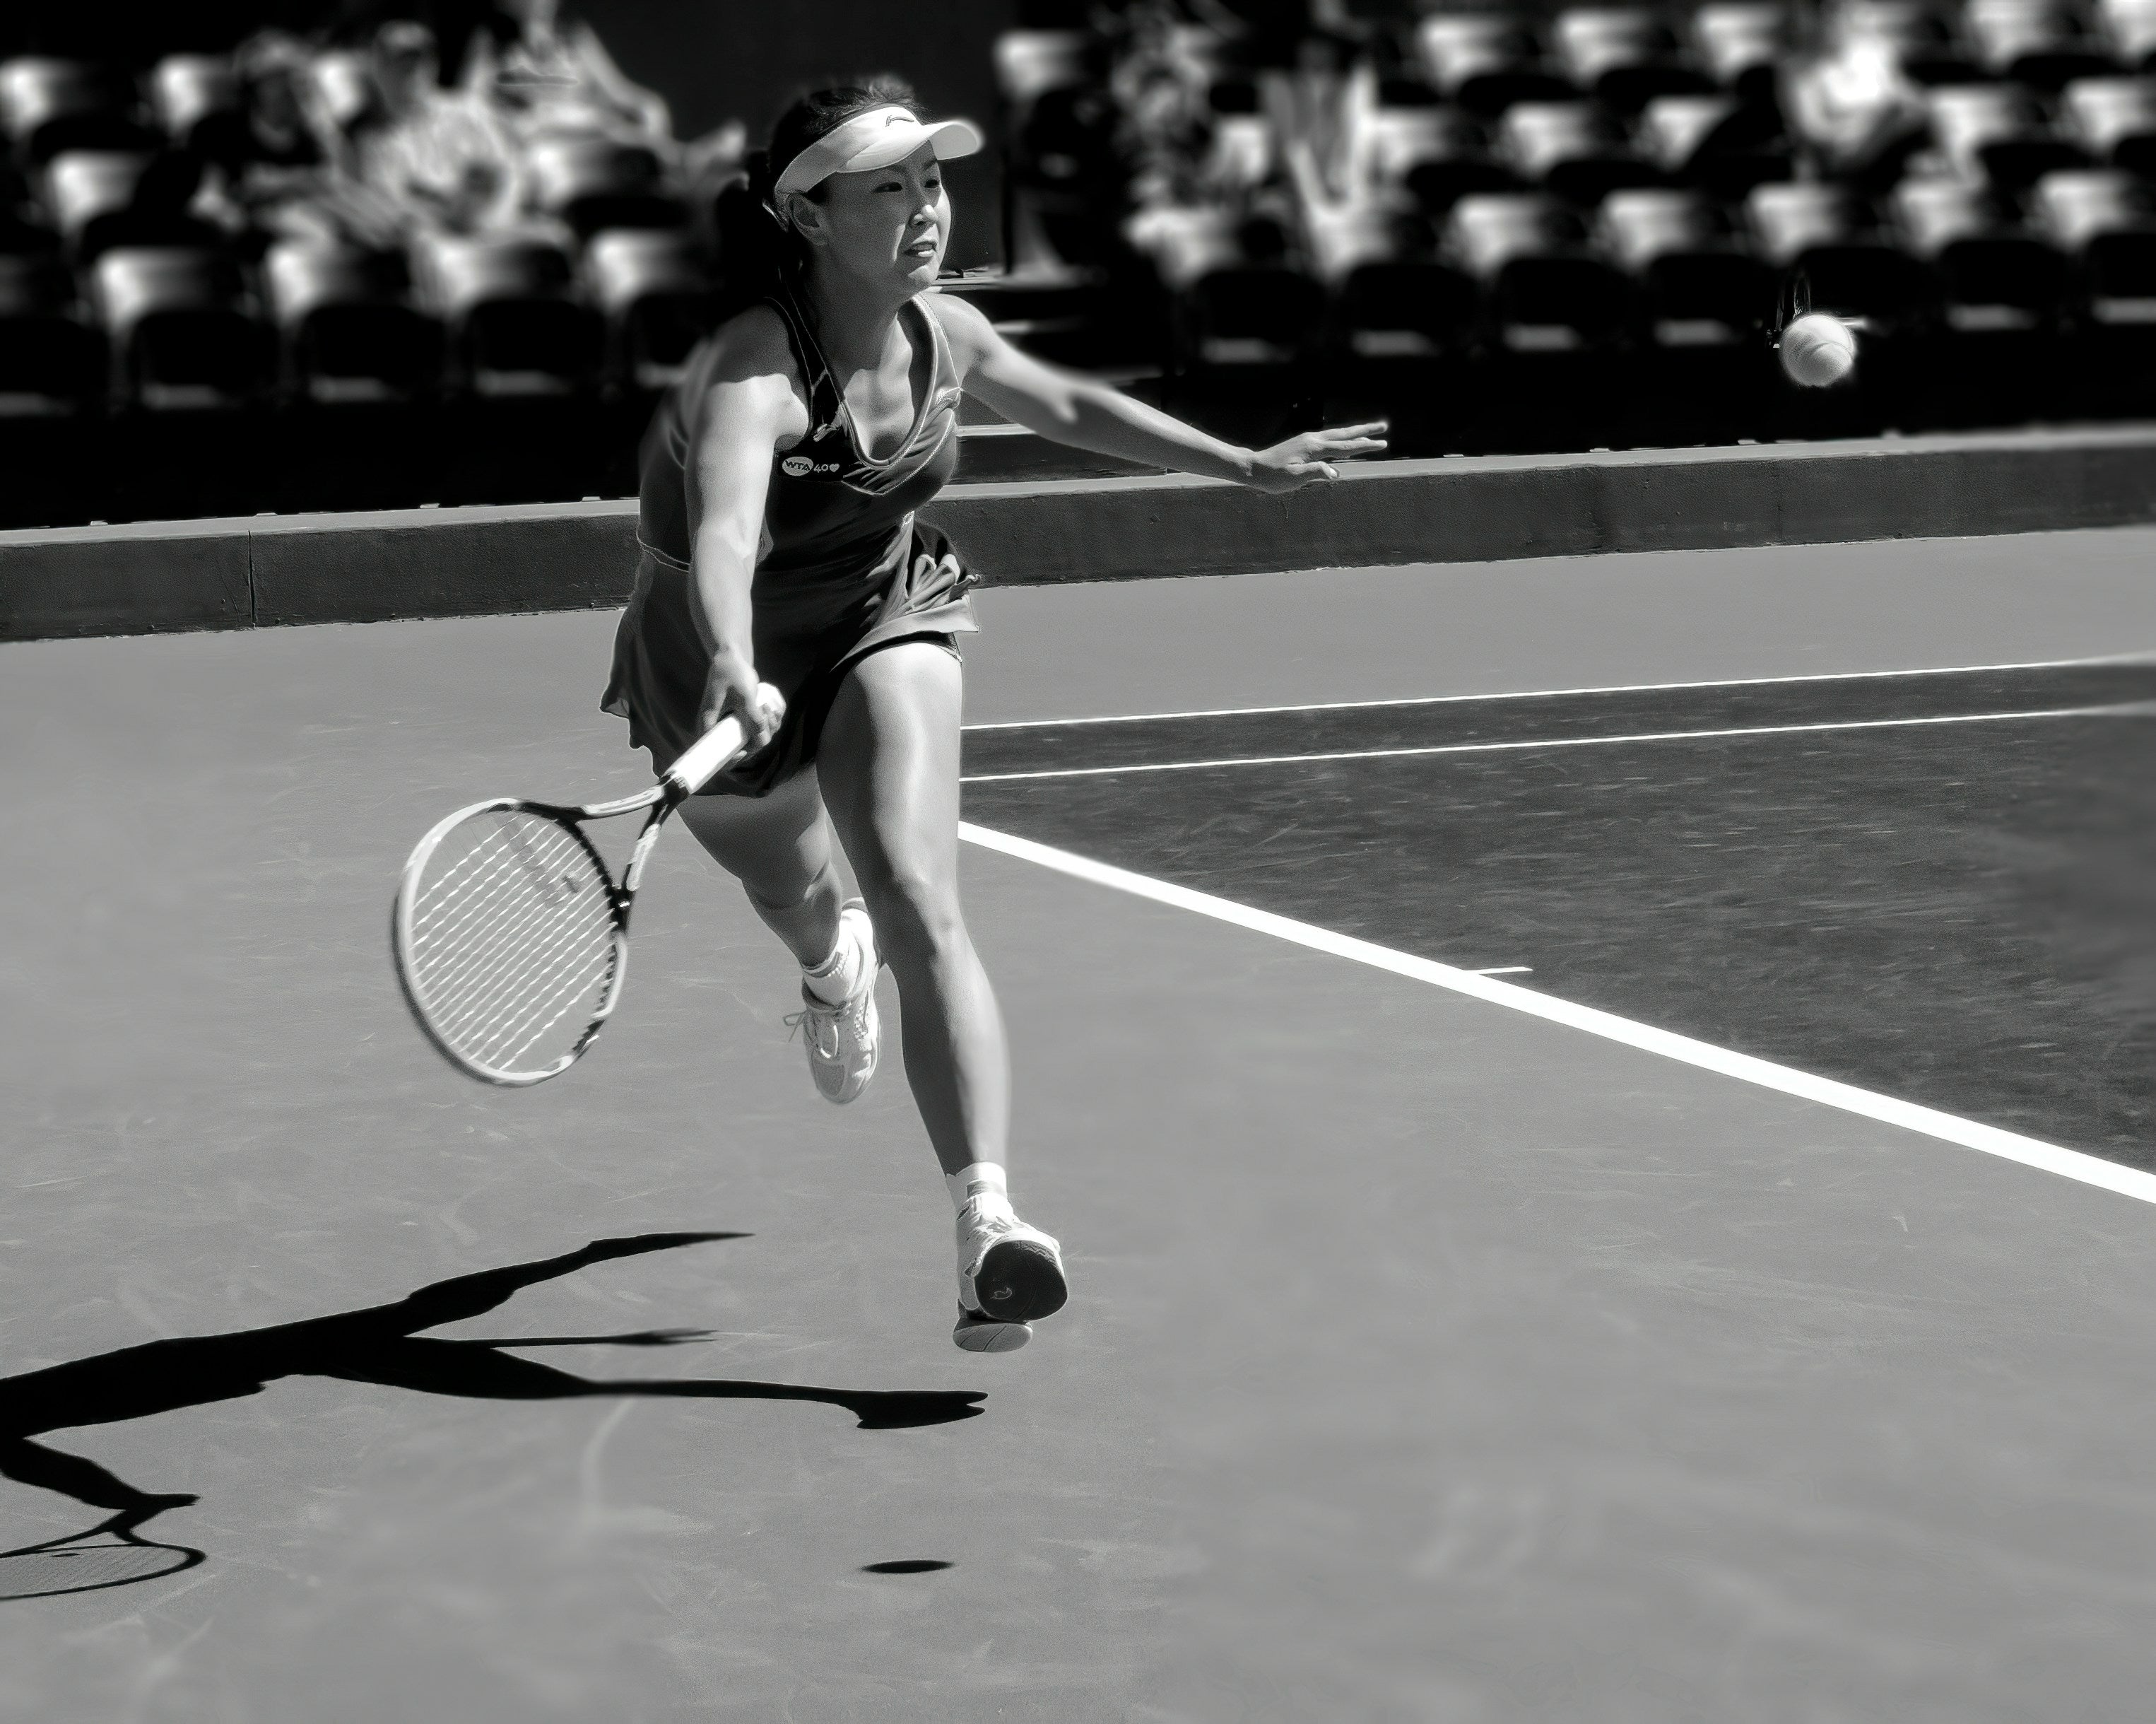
(485, 912)
(507, 921)
(85, 1568)
(515, 931)
(505, 931)
(527, 977)
(472, 891)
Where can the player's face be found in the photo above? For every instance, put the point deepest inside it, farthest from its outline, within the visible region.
(890, 223)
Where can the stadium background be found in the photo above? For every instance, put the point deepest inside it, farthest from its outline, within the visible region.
(1565, 253)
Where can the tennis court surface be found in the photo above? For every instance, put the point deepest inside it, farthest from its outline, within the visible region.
(1615, 1337)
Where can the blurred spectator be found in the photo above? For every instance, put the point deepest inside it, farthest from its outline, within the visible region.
(1853, 111)
(542, 76)
(1306, 149)
(287, 123)
(1271, 32)
(1320, 107)
(1162, 89)
(439, 156)
(290, 171)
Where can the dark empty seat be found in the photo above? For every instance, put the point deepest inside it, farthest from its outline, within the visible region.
(49, 105)
(1063, 173)
(1574, 149)
(1408, 90)
(1027, 63)
(2129, 27)
(514, 326)
(1081, 317)
(1238, 300)
(343, 81)
(1254, 313)
(1244, 152)
(1998, 133)
(25, 231)
(1993, 272)
(1543, 286)
(180, 325)
(1740, 44)
(2114, 121)
(1919, 33)
(85, 187)
(2105, 220)
(655, 290)
(1723, 144)
(1066, 136)
(101, 199)
(1696, 285)
(1624, 56)
(1486, 61)
(593, 182)
(1829, 237)
(1436, 155)
(198, 105)
(51, 361)
(1392, 296)
(1234, 95)
(2034, 41)
(347, 329)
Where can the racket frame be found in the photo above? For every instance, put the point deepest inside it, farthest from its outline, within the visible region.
(701, 761)
(75, 1543)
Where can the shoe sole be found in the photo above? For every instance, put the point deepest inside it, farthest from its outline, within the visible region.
(983, 1336)
(1020, 1282)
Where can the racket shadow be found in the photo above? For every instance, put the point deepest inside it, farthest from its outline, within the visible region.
(378, 1344)
(75, 1563)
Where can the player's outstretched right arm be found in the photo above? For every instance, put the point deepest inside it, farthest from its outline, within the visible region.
(751, 408)
(1087, 413)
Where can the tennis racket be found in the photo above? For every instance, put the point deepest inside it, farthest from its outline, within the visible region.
(510, 937)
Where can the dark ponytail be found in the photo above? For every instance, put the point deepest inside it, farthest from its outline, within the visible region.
(759, 252)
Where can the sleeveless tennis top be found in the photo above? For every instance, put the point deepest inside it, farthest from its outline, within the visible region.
(843, 569)
(830, 508)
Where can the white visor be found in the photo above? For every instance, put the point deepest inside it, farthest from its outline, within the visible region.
(875, 139)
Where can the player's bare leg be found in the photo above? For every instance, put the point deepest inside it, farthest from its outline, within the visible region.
(889, 769)
(780, 848)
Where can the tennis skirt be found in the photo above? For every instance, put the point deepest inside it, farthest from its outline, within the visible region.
(810, 627)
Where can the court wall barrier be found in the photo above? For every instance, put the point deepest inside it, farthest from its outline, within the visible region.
(369, 567)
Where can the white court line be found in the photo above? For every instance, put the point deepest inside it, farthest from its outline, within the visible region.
(1441, 700)
(2008, 1145)
(1506, 969)
(2135, 709)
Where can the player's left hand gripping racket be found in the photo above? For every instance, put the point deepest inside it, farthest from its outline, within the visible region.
(509, 936)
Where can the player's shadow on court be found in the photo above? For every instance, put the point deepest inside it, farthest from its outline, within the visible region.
(379, 1345)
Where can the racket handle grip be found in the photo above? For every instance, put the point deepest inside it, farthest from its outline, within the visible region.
(710, 754)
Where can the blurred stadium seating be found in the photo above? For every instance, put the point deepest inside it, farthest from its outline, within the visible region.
(1523, 226)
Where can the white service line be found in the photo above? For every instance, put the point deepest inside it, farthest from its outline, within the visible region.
(2135, 708)
(2008, 1145)
(1443, 700)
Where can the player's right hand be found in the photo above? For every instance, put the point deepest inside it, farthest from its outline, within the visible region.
(732, 687)
(1308, 459)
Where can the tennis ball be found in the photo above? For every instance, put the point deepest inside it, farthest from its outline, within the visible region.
(1817, 350)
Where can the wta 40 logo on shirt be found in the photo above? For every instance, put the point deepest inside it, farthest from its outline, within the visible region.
(800, 466)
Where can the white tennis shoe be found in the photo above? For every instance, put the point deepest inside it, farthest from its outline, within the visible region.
(842, 1039)
(1009, 1276)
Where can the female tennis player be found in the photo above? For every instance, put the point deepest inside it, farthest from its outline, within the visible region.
(784, 579)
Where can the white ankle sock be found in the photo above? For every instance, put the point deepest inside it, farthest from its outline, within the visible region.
(838, 978)
(984, 1182)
